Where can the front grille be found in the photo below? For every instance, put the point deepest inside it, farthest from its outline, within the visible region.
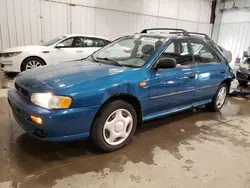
(22, 91)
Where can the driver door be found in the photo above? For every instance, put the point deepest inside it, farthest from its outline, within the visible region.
(64, 51)
(69, 50)
(173, 89)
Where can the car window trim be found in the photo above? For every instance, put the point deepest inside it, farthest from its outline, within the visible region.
(74, 37)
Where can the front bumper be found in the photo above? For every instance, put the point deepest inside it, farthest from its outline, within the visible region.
(58, 125)
(243, 75)
(10, 64)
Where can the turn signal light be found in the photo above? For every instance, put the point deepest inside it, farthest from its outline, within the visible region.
(143, 84)
(36, 120)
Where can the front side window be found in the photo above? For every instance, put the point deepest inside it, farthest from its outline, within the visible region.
(67, 43)
(203, 53)
(131, 51)
(53, 41)
(180, 51)
(78, 42)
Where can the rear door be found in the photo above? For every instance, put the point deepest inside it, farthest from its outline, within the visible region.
(92, 44)
(209, 69)
(173, 89)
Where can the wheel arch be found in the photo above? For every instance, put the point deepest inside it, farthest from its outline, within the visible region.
(132, 100)
(228, 82)
(33, 56)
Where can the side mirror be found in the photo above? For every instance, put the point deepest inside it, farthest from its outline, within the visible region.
(166, 63)
(60, 45)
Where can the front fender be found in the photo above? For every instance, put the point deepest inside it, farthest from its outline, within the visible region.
(95, 92)
(99, 97)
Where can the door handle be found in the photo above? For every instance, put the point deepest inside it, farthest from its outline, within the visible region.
(191, 76)
(79, 51)
(222, 71)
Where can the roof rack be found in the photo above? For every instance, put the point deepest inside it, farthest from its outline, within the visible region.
(193, 33)
(205, 35)
(175, 33)
(184, 32)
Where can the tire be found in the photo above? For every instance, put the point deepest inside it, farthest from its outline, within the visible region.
(110, 124)
(243, 83)
(32, 62)
(213, 106)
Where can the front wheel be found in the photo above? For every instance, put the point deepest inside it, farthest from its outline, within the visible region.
(114, 126)
(219, 98)
(31, 63)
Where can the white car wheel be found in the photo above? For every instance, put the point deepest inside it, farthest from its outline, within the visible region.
(221, 97)
(117, 127)
(114, 126)
(33, 64)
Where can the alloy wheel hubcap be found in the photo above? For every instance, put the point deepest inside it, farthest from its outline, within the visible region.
(118, 127)
(221, 97)
(33, 64)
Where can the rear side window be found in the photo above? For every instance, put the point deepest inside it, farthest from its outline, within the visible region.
(94, 42)
(203, 53)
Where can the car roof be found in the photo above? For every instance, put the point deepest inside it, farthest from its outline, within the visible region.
(174, 33)
(83, 35)
(168, 35)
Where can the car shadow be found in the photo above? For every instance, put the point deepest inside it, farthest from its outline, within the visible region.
(11, 75)
(50, 151)
(78, 157)
(6, 80)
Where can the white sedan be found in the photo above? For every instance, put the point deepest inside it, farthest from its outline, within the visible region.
(61, 49)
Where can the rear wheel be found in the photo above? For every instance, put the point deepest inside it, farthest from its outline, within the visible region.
(218, 99)
(115, 126)
(243, 83)
(31, 63)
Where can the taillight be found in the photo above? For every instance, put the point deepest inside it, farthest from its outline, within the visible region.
(127, 51)
(237, 60)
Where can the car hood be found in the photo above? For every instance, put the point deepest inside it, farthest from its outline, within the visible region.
(25, 48)
(66, 75)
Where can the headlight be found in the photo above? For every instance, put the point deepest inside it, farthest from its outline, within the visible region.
(11, 54)
(50, 101)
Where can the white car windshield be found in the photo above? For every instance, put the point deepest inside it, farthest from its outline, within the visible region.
(130, 51)
(53, 41)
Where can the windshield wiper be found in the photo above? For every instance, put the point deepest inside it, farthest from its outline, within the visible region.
(107, 59)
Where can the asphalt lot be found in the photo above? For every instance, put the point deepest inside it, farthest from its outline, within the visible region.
(194, 148)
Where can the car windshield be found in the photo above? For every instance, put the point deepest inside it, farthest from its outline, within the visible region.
(53, 41)
(130, 51)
